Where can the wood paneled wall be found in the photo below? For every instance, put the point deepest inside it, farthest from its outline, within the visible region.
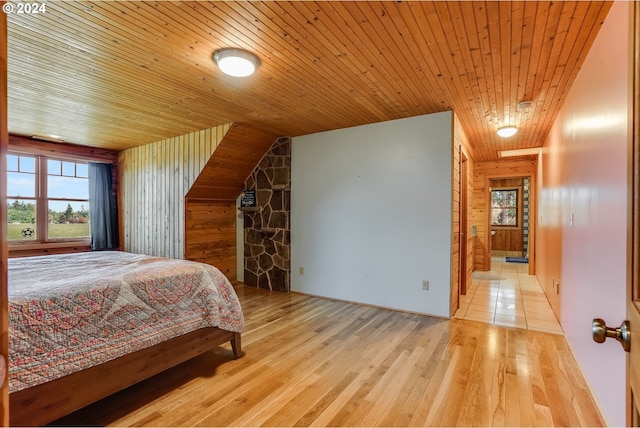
(210, 234)
(210, 204)
(155, 178)
(483, 172)
(4, 142)
(234, 159)
(507, 240)
(461, 146)
(178, 195)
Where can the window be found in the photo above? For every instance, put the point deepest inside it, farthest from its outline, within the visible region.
(47, 199)
(21, 198)
(504, 207)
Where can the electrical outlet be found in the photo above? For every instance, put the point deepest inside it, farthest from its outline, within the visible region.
(301, 270)
(425, 285)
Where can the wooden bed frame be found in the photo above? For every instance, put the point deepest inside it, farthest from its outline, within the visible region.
(49, 401)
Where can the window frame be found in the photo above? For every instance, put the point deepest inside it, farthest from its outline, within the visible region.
(518, 207)
(76, 152)
(42, 199)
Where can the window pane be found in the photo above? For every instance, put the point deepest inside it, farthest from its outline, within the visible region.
(68, 219)
(27, 164)
(21, 219)
(504, 217)
(69, 169)
(82, 170)
(67, 187)
(21, 184)
(12, 163)
(504, 198)
(504, 207)
(54, 167)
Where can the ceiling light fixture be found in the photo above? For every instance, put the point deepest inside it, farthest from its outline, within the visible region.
(507, 131)
(525, 105)
(236, 62)
(49, 138)
(520, 152)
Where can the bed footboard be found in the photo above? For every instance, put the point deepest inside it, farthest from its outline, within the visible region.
(47, 402)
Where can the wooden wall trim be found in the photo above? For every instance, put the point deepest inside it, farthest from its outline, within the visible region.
(4, 143)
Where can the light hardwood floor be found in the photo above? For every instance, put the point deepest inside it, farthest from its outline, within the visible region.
(315, 362)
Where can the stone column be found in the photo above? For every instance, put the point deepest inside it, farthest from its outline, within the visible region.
(267, 243)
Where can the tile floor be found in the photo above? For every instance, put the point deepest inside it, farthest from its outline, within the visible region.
(508, 296)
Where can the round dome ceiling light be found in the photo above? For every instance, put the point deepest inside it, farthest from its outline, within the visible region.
(507, 131)
(236, 62)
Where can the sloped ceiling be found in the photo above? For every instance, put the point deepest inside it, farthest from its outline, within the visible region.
(231, 163)
(117, 74)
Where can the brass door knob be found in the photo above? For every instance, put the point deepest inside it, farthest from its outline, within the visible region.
(622, 334)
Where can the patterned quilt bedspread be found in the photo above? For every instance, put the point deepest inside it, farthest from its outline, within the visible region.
(72, 311)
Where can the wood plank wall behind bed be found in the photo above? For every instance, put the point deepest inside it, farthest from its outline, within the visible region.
(154, 182)
(4, 142)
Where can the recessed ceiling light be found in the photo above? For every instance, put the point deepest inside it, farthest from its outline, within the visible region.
(507, 131)
(236, 62)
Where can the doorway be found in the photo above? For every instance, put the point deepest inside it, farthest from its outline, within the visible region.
(509, 217)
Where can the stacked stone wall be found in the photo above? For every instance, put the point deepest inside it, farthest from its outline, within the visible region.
(267, 233)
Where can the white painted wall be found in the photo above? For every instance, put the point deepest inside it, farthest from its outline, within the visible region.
(371, 213)
(585, 164)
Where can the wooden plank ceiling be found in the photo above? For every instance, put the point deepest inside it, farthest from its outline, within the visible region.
(117, 74)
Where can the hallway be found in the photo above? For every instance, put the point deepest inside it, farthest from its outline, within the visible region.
(508, 296)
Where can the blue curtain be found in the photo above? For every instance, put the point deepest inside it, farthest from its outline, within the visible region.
(103, 207)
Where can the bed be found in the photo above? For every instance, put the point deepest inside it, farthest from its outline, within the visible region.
(85, 325)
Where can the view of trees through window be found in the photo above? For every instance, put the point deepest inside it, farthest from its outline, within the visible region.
(504, 207)
(64, 204)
